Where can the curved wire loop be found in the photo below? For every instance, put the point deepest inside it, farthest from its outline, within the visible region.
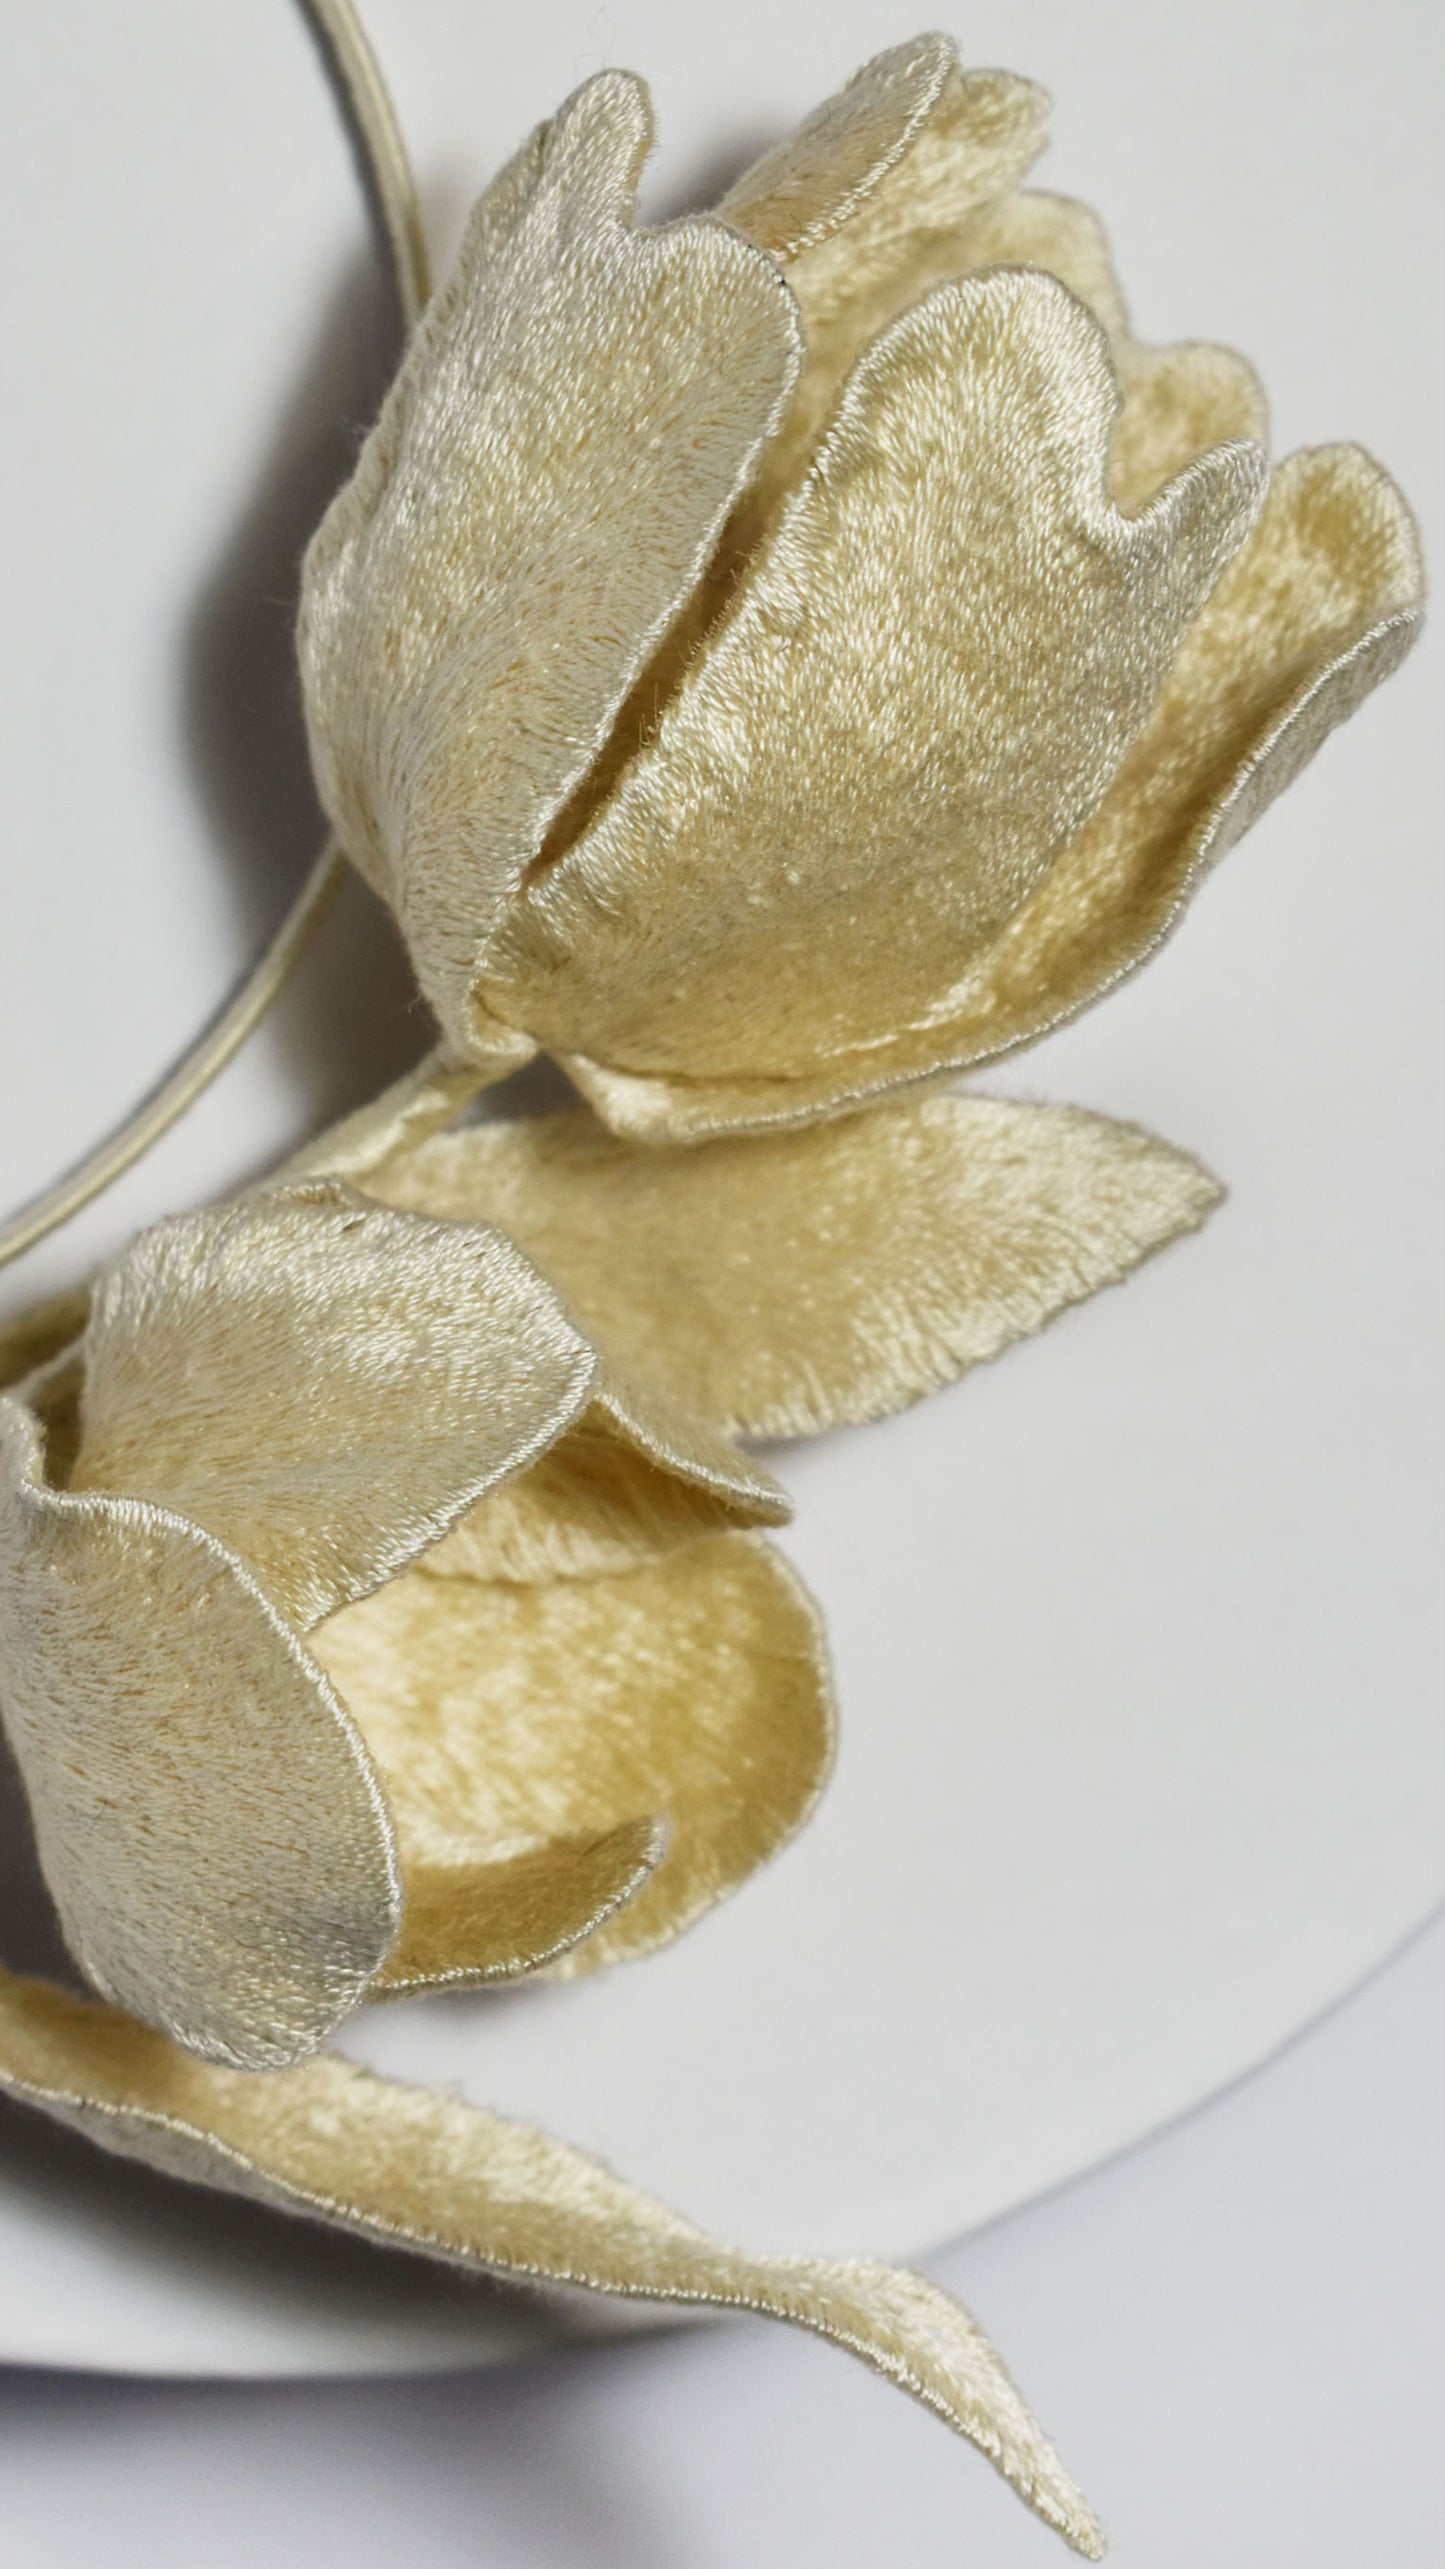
(387, 176)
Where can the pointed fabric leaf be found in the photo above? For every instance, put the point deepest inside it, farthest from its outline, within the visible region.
(801, 1281)
(572, 421)
(207, 1819)
(783, 874)
(694, 1688)
(418, 2169)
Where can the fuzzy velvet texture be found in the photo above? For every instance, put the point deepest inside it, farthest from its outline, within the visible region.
(355, 1622)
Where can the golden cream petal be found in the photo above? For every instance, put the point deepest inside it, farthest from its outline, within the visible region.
(591, 1505)
(38, 1334)
(633, 1478)
(918, 147)
(491, 229)
(326, 1385)
(1178, 401)
(1032, 228)
(415, 2168)
(693, 1688)
(812, 181)
(809, 1280)
(897, 151)
(883, 750)
(981, 135)
(1322, 604)
(890, 166)
(469, 1924)
(207, 1820)
(570, 427)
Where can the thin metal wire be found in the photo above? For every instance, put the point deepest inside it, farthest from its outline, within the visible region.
(388, 177)
(385, 169)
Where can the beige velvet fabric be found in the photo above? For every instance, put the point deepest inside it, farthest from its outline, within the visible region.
(421, 2170)
(695, 1685)
(992, 649)
(277, 1409)
(793, 1282)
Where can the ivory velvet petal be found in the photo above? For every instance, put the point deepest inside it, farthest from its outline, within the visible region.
(1320, 606)
(480, 598)
(207, 1819)
(910, 131)
(694, 1685)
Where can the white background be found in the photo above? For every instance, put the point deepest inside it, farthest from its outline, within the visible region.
(1228, 1474)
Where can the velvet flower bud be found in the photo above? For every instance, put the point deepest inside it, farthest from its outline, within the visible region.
(361, 1631)
(792, 653)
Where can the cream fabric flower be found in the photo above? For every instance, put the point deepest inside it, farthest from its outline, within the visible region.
(361, 1631)
(799, 652)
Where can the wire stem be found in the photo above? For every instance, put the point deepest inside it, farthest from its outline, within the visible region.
(387, 174)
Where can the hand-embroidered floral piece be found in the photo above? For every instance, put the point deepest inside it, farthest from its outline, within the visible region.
(301, 1424)
(785, 1283)
(1005, 638)
(767, 663)
(418, 2169)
